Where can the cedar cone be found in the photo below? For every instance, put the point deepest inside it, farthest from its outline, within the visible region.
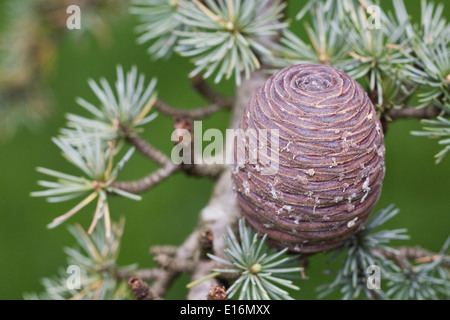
(330, 162)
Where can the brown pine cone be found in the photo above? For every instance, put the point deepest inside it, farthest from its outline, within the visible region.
(330, 162)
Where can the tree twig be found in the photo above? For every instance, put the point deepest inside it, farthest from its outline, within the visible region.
(200, 291)
(202, 87)
(173, 264)
(144, 274)
(211, 171)
(198, 113)
(166, 249)
(187, 252)
(158, 176)
(415, 254)
(148, 182)
(399, 259)
(429, 112)
(390, 115)
(148, 150)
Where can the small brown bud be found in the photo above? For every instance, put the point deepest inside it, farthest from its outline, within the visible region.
(217, 293)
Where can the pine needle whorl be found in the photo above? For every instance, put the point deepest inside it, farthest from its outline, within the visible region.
(331, 159)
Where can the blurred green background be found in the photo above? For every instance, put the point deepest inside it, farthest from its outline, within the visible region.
(167, 214)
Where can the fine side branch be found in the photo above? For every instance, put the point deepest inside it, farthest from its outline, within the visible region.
(414, 254)
(148, 150)
(194, 114)
(148, 182)
(203, 88)
(429, 112)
